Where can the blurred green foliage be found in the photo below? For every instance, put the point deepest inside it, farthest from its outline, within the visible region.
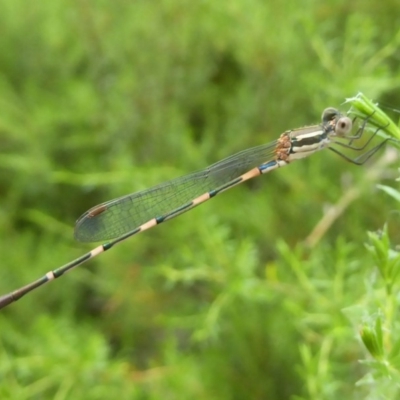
(254, 295)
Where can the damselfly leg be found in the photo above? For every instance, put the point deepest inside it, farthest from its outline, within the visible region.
(363, 158)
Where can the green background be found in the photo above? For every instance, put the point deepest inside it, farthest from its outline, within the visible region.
(241, 298)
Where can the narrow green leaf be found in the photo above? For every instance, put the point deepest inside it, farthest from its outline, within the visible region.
(390, 191)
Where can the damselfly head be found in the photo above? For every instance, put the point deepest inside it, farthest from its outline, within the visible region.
(342, 125)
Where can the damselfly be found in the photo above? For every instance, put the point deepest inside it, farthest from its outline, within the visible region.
(119, 219)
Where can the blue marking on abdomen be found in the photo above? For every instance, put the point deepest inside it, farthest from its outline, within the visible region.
(267, 165)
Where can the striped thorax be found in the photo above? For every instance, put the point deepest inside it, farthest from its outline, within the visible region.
(300, 143)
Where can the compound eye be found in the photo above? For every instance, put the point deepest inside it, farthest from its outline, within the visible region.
(343, 126)
(329, 114)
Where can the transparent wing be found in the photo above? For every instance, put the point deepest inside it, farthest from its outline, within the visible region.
(116, 217)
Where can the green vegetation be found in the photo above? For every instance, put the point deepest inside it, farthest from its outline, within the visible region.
(285, 287)
(364, 108)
